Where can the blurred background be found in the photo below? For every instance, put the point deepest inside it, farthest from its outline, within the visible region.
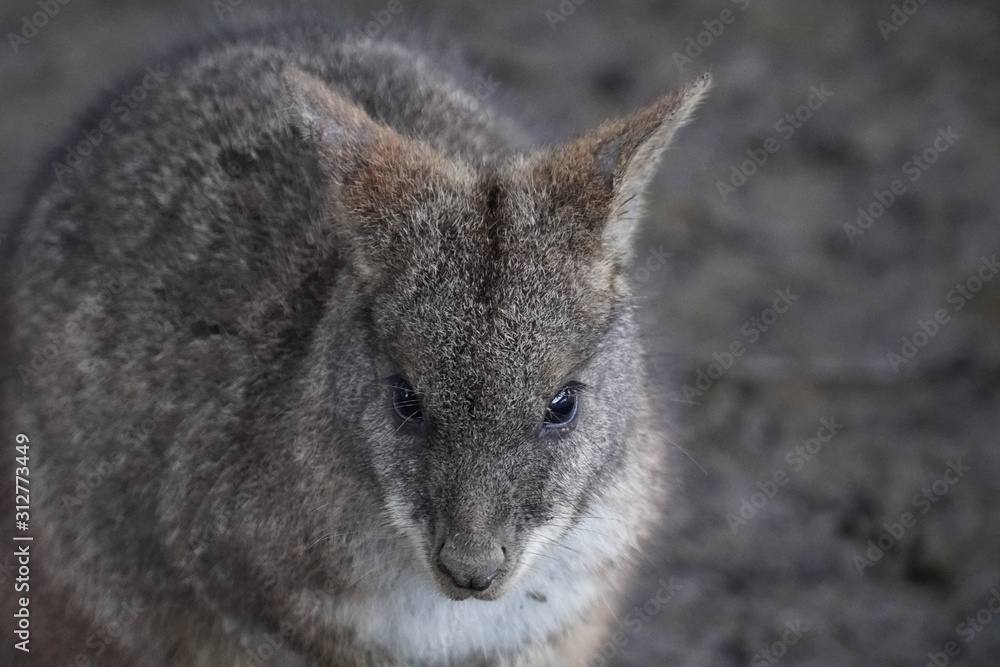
(819, 271)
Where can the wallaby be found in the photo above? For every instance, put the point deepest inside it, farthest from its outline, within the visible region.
(322, 361)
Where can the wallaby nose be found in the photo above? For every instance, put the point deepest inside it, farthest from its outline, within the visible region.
(470, 564)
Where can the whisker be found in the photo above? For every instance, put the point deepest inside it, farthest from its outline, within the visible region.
(688, 455)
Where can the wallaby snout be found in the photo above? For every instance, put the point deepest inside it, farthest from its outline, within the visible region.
(471, 562)
(473, 541)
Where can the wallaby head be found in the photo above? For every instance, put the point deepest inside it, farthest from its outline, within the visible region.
(496, 379)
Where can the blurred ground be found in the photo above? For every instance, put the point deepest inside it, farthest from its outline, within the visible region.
(871, 540)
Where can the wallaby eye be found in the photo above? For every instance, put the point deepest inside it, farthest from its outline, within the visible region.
(406, 402)
(563, 408)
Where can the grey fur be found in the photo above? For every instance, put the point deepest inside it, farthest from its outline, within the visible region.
(206, 315)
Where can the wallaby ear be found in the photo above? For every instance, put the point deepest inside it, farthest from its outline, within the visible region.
(340, 129)
(358, 151)
(377, 176)
(605, 173)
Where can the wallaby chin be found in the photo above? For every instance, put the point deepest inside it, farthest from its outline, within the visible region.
(347, 366)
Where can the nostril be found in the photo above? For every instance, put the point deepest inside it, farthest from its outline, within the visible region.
(470, 565)
(476, 582)
(482, 583)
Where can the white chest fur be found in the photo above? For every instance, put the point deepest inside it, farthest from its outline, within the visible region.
(411, 619)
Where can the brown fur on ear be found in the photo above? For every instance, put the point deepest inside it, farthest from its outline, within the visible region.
(603, 175)
(377, 176)
(327, 118)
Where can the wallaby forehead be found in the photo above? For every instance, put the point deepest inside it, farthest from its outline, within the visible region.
(498, 289)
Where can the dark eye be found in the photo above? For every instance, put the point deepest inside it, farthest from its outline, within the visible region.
(563, 408)
(406, 402)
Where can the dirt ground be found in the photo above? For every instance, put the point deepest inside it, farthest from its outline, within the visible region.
(820, 275)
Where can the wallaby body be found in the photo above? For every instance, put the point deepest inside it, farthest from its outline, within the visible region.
(321, 365)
